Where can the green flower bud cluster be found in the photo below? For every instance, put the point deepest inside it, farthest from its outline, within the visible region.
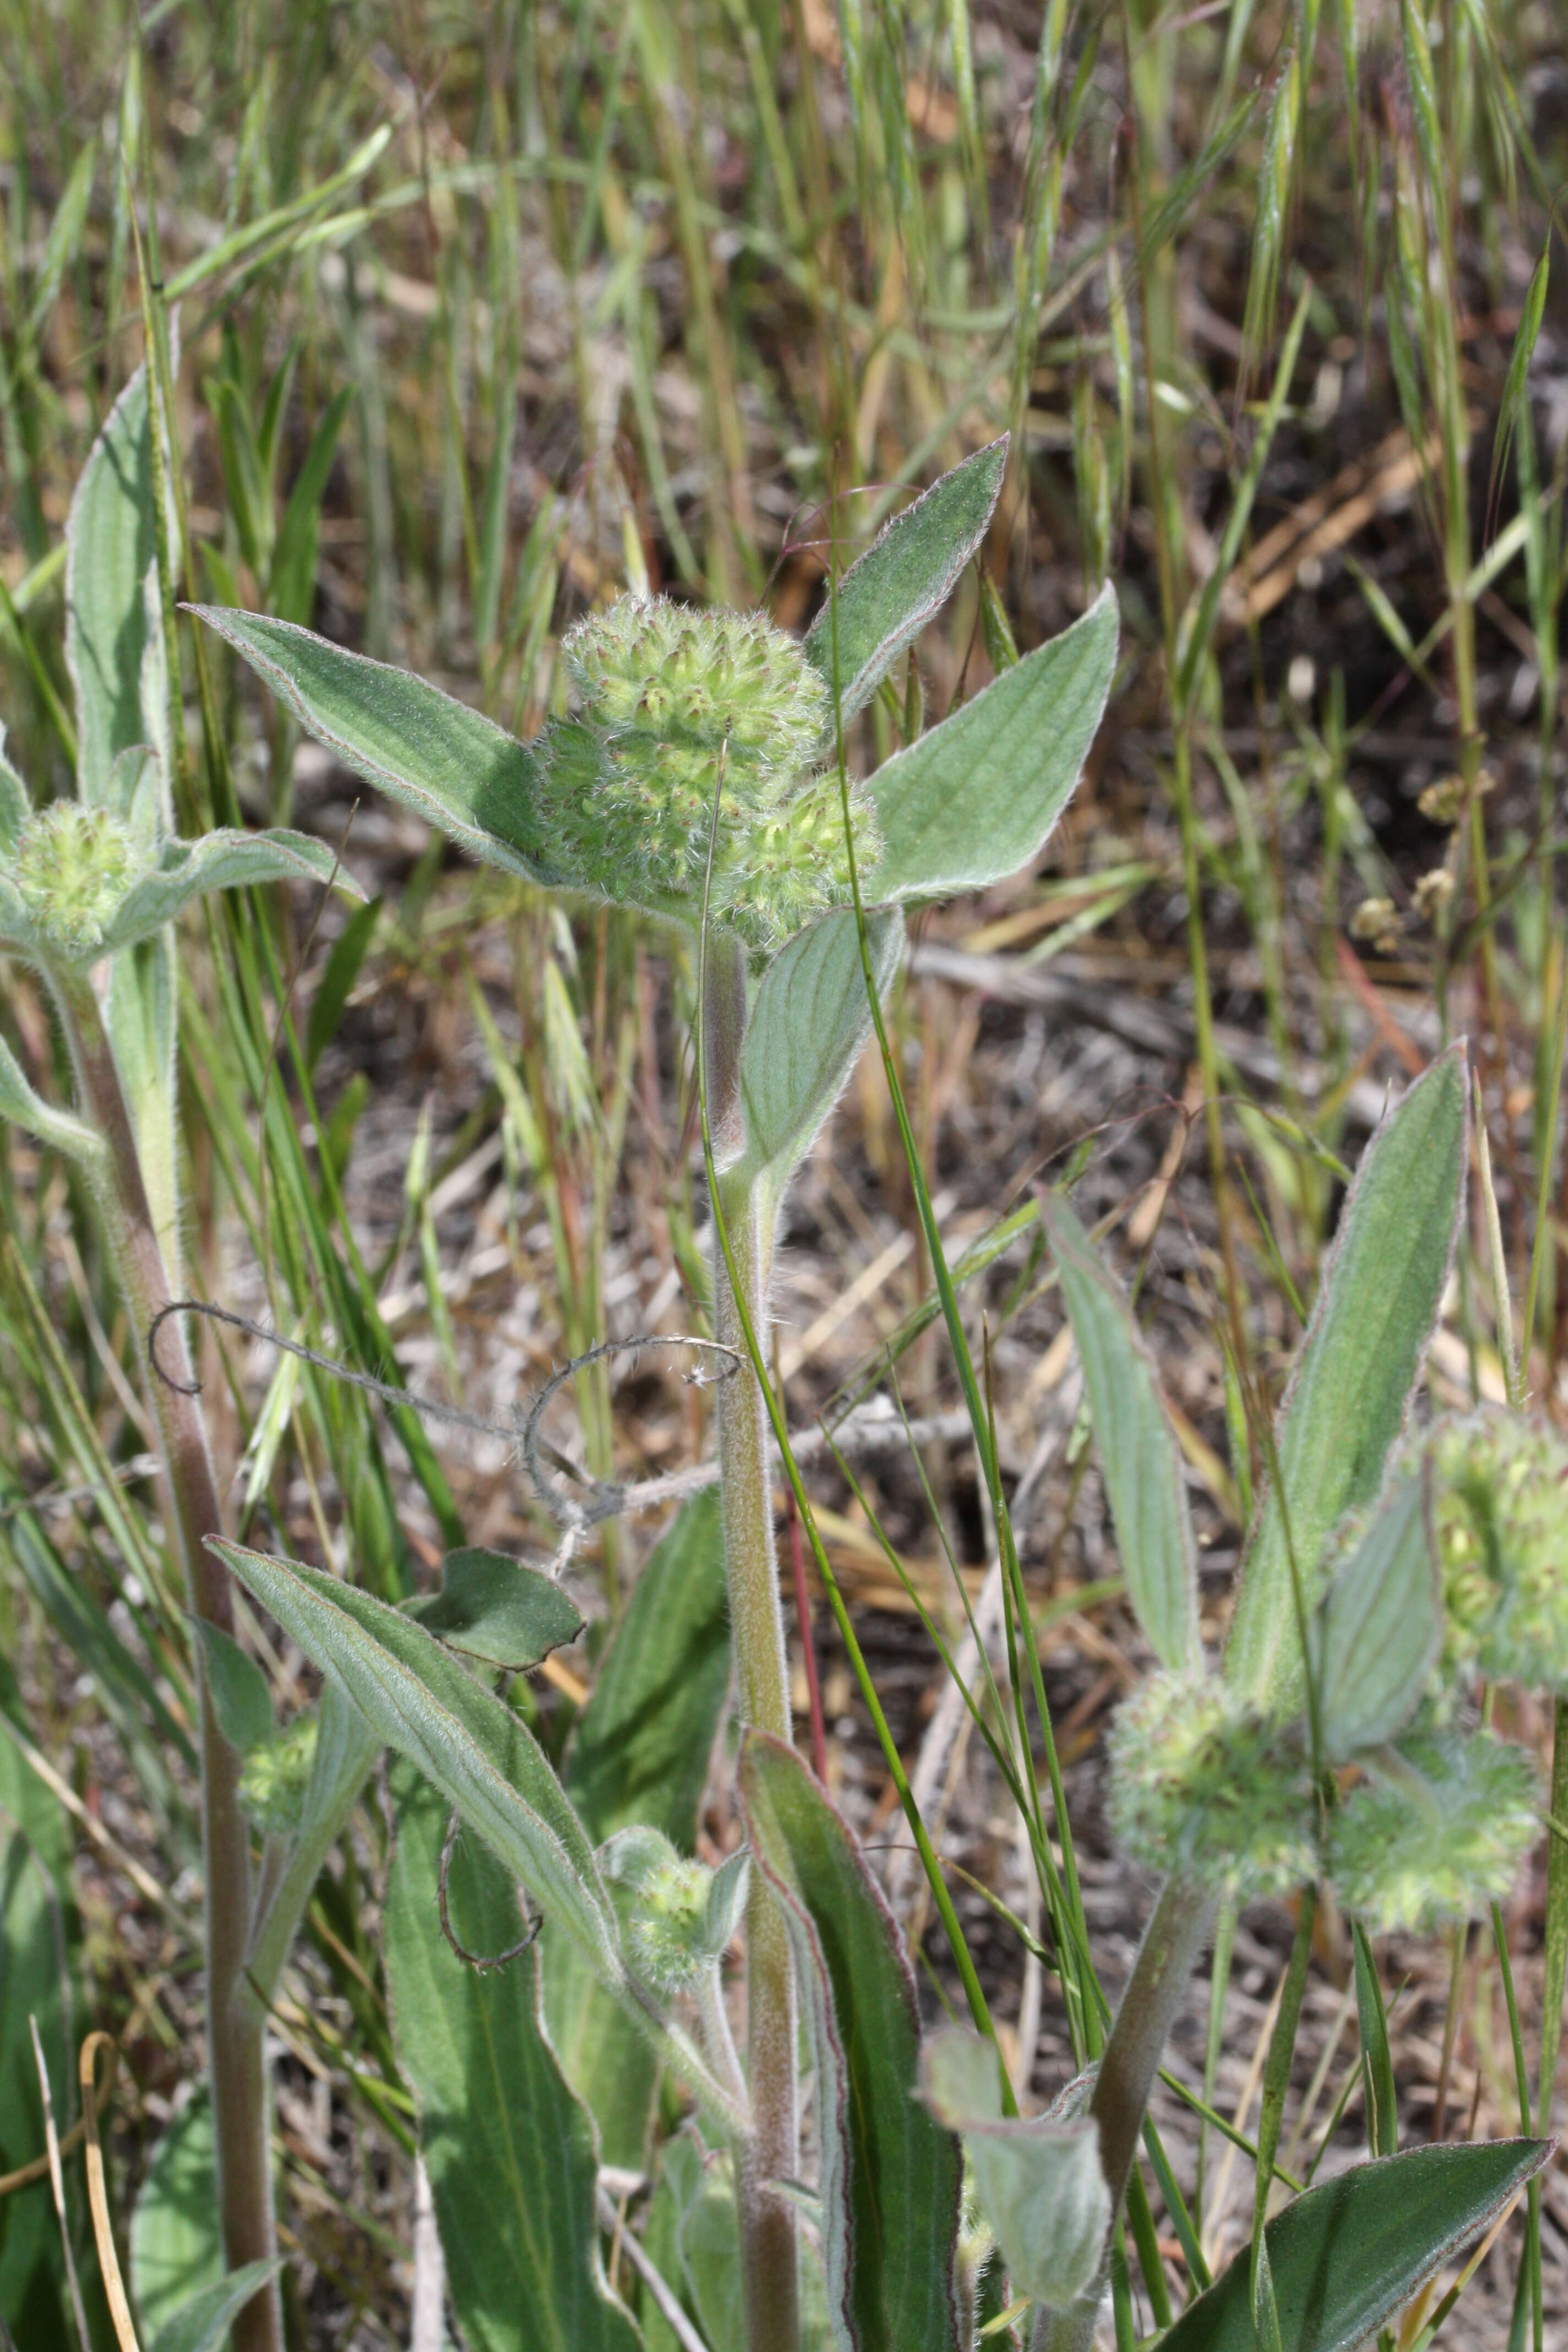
(275, 1776)
(1203, 1784)
(1502, 1542)
(1437, 1831)
(672, 700)
(74, 865)
(677, 1916)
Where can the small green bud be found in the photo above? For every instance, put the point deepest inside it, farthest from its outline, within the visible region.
(275, 1776)
(74, 868)
(1438, 1833)
(1502, 1545)
(677, 707)
(665, 1935)
(1200, 1783)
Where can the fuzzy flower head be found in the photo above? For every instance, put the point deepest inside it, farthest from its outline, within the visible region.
(275, 1776)
(1438, 1834)
(74, 867)
(1202, 1783)
(665, 1938)
(678, 706)
(1502, 1543)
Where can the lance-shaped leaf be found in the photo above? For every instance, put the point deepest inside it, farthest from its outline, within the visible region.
(640, 1754)
(451, 765)
(807, 1025)
(237, 1690)
(479, 1753)
(202, 2324)
(1038, 2181)
(1345, 2258)
(1377, 1634)
(1138, 1453)
(498, 1609)
(1358, 1364)
(224, 860)
(890, 2174)
(507, 2145)
(346, 1747)
(22, 1104)
(974, 800)
(905, 577)
(110, 618)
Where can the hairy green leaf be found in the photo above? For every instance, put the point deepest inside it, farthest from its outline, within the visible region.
(640, 1755)
(810, 1018)
(110, 618)
(1380, 1628)
(452, 766)
(974, 799)
(479, 1753)
(1345, 2258)
(905, 577)
(16, 808)
(1138, 1452)
(507, 2145)
(1376, 2058)
(346, 1747)
(224, 860)
(203, 2324)
(890, 2174)
(498, 1609)
(237, 1690)
(1037, 2181)
(22, 1104)
(1358, 1364)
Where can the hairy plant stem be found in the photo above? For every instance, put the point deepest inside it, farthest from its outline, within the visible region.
(241, 2106)
(1172, 1944)
(768, 2254)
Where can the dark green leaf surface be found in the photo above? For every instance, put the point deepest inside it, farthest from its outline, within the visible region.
(905, 577)
(1345, 2258)
(890, 2174)
(498, 1609)
(238, 1689)
(451, 765)
(974, 800)
(1139, 1458)
(1359, 1362)
(507, 2145)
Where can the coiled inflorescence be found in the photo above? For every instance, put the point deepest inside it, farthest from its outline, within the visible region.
(74, 868)
(672, 700)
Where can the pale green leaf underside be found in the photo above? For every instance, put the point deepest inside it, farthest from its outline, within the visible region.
(807, 1025)
(477, 1751)
(1358, 1364)
(507, 2145)
(451, 765)
(890, 2174)
(1345, 2258)
(974, 800)
(346, 1749)
(1137, 1445)
(176, 2241)
(1038, 2182)
(1380, 1628)
(905, 577)
(224, 860)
